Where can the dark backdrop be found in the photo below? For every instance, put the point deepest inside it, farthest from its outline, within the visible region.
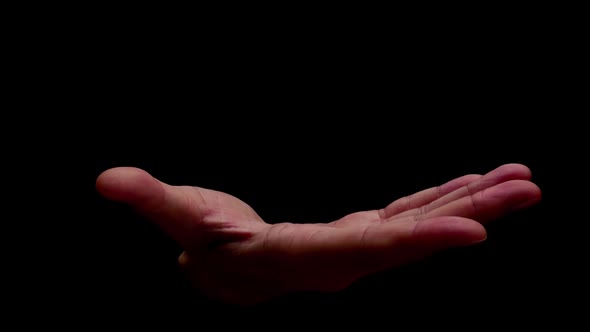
(311, 130)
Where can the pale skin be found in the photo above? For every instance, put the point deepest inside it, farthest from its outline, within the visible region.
(232, 255)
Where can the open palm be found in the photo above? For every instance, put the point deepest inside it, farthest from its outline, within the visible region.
(232, 255)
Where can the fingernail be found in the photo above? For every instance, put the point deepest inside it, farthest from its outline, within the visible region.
(480, 240)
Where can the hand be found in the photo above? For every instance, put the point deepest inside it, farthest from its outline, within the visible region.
(232, 255)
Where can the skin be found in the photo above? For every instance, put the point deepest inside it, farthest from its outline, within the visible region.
(233, 256)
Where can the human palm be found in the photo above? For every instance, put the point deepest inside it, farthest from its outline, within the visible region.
(232, 255)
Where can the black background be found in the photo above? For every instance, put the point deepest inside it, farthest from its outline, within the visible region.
(308, 125)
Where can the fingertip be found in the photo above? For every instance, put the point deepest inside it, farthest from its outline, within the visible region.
(515, 170)
(532, 191)
(517, 191)
(525, 194)
(126, 184)
(450, 231)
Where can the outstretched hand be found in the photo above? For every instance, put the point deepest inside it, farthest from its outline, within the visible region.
(232, 255)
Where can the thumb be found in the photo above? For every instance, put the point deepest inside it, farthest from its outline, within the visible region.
(173, 208)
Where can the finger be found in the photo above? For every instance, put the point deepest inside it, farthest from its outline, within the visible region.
(501, 174)
(488, 204)
(369, 248)
(171, 207)
(406, 203)
(426, 196)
